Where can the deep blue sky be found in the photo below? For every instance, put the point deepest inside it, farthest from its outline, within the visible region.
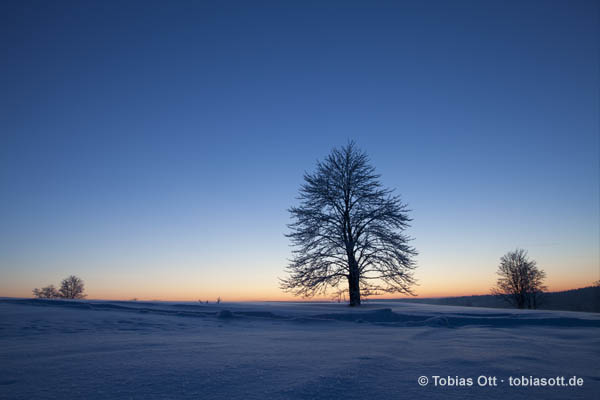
(152, 148)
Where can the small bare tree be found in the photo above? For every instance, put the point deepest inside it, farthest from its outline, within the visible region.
(72, 288)
(348, 228)
(48, 292)
(520, 281)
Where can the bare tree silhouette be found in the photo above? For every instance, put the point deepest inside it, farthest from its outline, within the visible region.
(520, 281)
(72, 288)
(48, 292)
(348, 228)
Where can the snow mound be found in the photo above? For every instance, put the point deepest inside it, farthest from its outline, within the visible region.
(225, 314)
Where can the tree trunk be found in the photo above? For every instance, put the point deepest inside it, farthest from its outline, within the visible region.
(520, 301)
(354, 289)
(353, 277)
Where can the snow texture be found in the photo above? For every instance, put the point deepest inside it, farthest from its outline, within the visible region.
(160, 350)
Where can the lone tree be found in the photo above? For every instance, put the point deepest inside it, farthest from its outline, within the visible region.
(71, 288)
(520, 281)
(348, 228)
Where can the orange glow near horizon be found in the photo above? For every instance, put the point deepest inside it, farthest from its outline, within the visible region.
(187, 280)
(265, 293)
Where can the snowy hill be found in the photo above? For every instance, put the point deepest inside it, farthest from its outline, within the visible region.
(584, 299)
(158, 350)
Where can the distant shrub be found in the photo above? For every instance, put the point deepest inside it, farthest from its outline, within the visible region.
(48, 292)
(71, 287)
(520, 281)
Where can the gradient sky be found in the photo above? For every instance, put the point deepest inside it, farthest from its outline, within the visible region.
(152, 148)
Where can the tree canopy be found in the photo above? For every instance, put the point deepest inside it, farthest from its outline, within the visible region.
(520, 281)
(349, 228)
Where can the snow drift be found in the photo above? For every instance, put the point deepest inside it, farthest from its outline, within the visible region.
(157, 350)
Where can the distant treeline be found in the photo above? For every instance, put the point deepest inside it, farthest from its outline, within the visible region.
(585, 299)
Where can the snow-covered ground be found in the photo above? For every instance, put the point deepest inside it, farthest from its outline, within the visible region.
(159, 350)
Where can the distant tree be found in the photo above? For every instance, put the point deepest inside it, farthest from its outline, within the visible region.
(520, 281)
(48, 292)
(348, 228)
(72, 288)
